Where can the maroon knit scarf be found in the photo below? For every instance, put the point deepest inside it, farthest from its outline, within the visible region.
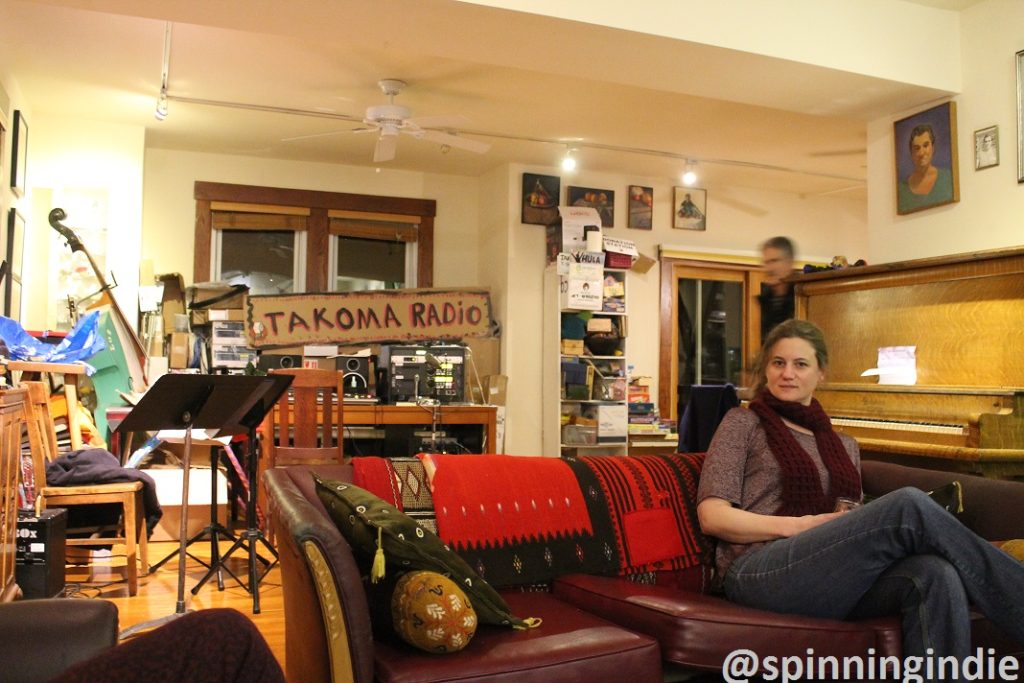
(801, 484)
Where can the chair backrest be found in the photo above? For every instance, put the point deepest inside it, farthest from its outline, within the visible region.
(12, 411)
(307, 426)
(42, 435)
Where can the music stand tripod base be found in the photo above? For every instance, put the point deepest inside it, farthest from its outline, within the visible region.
(188, 402)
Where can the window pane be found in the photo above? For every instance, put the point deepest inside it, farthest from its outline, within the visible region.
(262, 259)
(369, 264)
(710, 334)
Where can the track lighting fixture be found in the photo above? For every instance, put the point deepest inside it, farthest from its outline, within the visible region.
(569, 161)
(161, 102)
(161, 106)
(690, 174)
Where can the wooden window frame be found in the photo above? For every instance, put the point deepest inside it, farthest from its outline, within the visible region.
(316, 208)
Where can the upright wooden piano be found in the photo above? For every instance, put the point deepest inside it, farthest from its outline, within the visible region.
(965, 315)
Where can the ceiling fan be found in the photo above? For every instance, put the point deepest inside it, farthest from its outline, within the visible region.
(389, 120)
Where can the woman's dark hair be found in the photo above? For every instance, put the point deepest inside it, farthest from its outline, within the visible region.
(789, 329)
(920, 130)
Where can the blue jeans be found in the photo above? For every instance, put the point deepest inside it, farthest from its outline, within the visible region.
(899, 555)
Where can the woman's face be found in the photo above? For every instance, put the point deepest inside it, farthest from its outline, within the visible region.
(792, 371)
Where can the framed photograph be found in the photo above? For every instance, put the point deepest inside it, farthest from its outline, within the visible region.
(540, 199)
(641, 207)
(986, 148)
(690, 208)
(19, 153)
(1020, 116)
(15, 251)
(602, 200)
(927, 172)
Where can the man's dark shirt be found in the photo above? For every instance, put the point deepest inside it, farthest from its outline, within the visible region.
(775, 309)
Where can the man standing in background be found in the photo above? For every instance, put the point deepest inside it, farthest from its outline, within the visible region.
(776, 297)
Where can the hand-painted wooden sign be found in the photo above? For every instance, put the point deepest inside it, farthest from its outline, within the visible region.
(367, 317)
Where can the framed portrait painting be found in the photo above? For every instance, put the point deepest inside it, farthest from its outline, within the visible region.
(540, 199)
(15, 252)
(19, 153)
(927, 172)
(641, 207)
(602, 200)
(986, 148)
(690, 208)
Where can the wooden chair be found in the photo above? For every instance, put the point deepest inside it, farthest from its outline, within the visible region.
(43, 443)
(12, 416)
(305, 427)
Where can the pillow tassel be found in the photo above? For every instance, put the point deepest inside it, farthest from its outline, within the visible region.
(531, 622)
(377, 570)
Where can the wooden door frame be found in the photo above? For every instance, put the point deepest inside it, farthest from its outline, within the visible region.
(749, 274)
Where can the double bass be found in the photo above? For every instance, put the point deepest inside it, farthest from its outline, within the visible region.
(139, 350)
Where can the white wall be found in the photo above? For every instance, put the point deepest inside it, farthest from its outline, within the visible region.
(70, 155)
(821, 227)
(168, 212)
(991, 202)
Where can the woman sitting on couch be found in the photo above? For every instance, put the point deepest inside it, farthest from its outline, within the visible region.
(773, 491)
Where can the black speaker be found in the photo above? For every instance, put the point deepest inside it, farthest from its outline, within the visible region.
(273, 361)
(357, 375)
(39, 547)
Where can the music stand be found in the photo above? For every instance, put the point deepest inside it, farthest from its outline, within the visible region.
(252, 535)
(188, 402)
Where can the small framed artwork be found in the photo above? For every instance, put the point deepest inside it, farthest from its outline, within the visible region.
(690, 208)
(986, 148)
(540, 199)
(15, 250)
(1020, 116)
(641, 207)
(602, 200)
(19, 153)
(927, 172)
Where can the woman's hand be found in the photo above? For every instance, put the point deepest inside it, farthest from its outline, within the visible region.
(800, 524)
(720, 519)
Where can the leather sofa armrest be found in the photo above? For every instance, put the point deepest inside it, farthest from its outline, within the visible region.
(986, 501)
(40, 639)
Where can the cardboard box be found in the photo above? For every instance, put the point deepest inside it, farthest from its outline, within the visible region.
(206, 296)
(612, 423)
(173, 299)
(178, 353)
(496, 389)
(572, 347)
(168, 492)
(237, 315)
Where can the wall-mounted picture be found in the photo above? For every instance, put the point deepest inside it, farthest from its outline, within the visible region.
(19, 153)
(15, 251)
(986, 148)
(540, 198)
(926, 159)
(690, 208)
(602, 200)
(1020, 116)
(641, 207)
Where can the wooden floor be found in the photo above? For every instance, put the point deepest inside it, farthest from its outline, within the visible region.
(157, 594)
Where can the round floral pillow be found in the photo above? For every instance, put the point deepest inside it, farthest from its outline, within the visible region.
(431, 612)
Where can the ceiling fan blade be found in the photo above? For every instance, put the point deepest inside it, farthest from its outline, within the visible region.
(451, 121)
(313, 135)
(839, 152)
(454, 141)
(385, 148)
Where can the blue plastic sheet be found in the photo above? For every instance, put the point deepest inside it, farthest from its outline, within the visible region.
(81, 342)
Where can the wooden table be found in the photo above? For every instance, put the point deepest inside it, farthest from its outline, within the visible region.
(70, 371)
(369, 414)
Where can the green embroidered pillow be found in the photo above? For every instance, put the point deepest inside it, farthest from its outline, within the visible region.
(380, 531)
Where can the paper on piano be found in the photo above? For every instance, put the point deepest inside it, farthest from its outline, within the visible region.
(896, 365)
